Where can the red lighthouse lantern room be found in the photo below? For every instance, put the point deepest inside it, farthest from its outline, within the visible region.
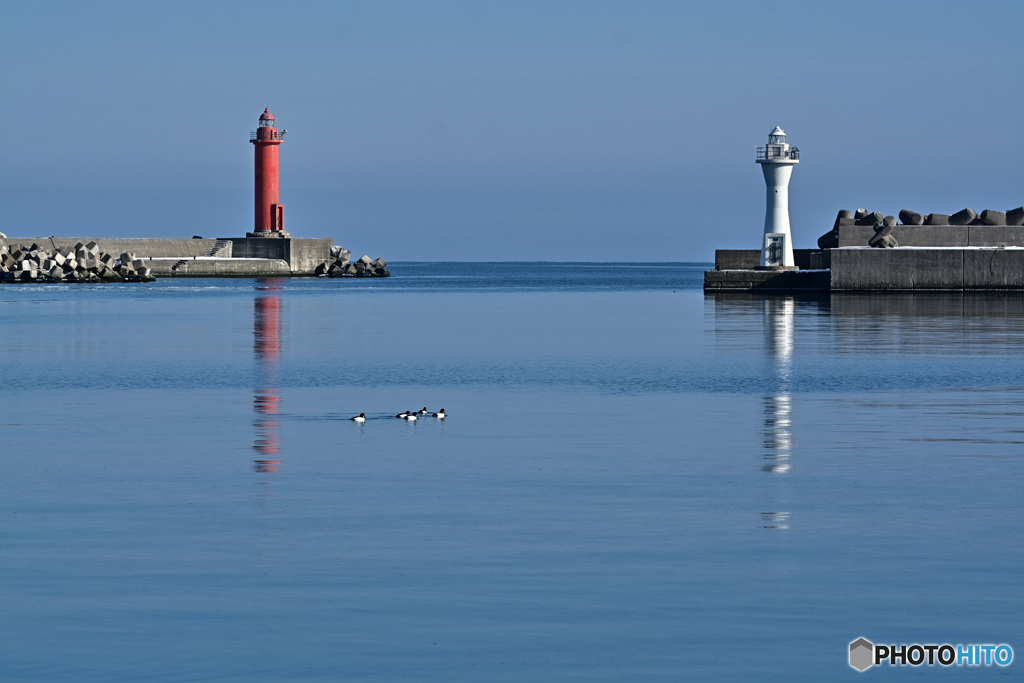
(269, 211)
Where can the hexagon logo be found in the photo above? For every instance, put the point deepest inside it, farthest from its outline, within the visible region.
(862, 654)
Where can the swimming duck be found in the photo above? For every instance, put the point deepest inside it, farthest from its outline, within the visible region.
(424, 411)
(404, 414)
(361, 417)
(410, 417)
(439, 414)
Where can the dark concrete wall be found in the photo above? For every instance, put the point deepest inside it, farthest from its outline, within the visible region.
(993, 269)
(745, 259)
(737, 259)
(261, 247)
(304, 255)
(995, 236)
(897, 269)
(926, 269)
(767, 280)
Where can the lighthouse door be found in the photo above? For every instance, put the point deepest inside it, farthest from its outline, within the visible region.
(774, 249)
(277, 216)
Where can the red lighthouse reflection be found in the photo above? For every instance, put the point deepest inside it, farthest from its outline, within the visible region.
(267, 348)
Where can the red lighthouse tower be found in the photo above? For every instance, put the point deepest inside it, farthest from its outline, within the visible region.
(269, 212)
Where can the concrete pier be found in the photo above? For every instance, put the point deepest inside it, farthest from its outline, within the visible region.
(866, 252)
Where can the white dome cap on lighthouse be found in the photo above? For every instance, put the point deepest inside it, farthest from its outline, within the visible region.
(777, 131)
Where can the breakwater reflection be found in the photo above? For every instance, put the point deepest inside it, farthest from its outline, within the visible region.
(927, 323)
(267, 352)
(788, 348)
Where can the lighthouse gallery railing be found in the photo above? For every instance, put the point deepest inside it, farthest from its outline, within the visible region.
(762, 154)
(270, 135)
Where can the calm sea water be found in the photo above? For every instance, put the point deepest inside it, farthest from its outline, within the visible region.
(636, 482)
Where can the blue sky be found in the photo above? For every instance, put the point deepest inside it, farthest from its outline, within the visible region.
(522, 130)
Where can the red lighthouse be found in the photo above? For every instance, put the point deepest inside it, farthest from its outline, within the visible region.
(269, 212)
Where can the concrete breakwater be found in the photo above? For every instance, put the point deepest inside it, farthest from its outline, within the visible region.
(364, 267)
(866, 251)
(77, 263)
(877, 270)
(206, 257)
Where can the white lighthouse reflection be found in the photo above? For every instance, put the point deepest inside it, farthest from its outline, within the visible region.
(778, 438)
(778, 405)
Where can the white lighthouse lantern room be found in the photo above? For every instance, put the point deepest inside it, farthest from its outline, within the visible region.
(777, 160)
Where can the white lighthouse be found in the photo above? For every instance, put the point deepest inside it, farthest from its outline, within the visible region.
(777, 159)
